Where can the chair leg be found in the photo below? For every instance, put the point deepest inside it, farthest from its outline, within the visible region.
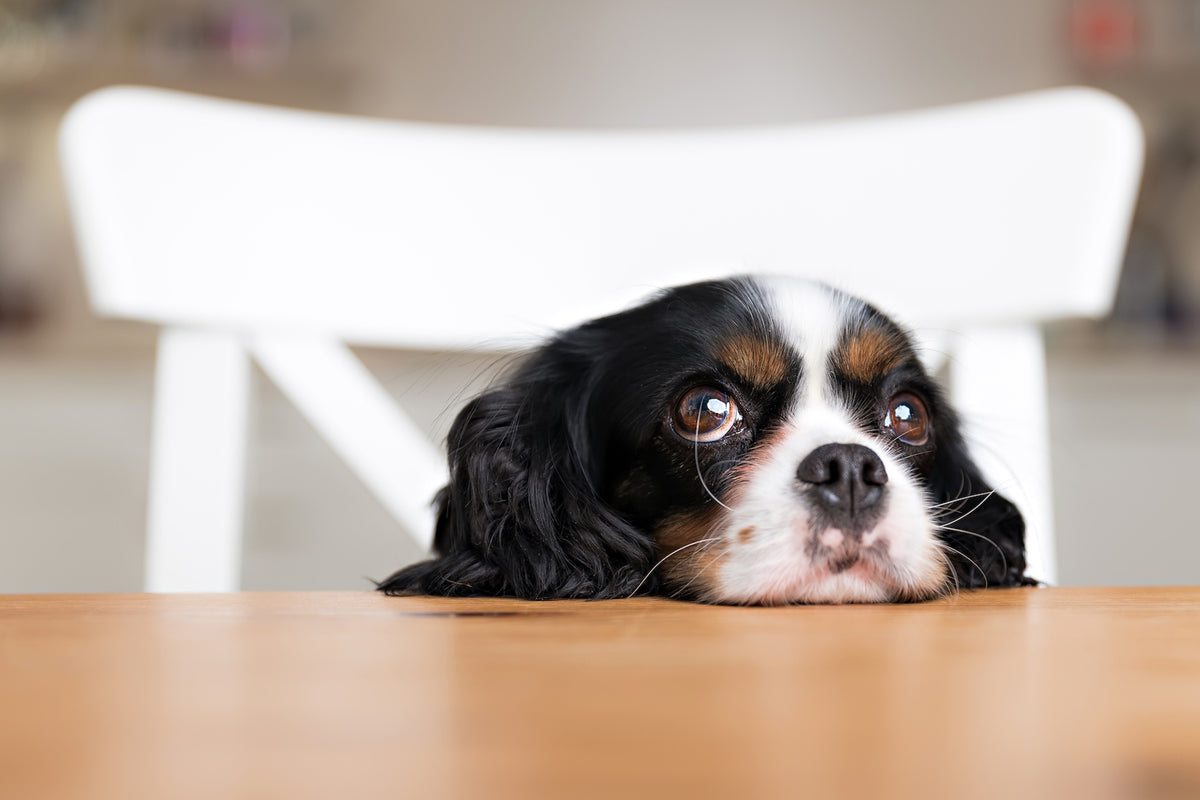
(998, 381)
(361, 422)
(197, 463)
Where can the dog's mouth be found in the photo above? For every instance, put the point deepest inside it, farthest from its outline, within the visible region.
(869, 565)
(840, 562)
(835, 551)
(830, 567)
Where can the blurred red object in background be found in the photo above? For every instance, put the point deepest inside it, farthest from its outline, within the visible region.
(1104, 33)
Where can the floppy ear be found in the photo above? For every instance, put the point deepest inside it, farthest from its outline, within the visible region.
(521, 516)
(984, 532)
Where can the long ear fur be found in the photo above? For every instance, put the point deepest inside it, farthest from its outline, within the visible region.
(984, 532)
(521, 516)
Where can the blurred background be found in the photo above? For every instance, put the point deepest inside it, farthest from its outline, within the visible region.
(75, 393)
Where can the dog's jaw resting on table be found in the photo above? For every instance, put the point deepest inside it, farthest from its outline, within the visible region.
(749, 440)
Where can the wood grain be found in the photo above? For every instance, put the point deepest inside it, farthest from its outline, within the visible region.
(1012, 693)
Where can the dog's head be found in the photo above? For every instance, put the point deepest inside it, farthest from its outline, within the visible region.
(746, 441)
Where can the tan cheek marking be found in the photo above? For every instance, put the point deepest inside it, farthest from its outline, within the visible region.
(869, 355)
(695, 566)
(756, 361)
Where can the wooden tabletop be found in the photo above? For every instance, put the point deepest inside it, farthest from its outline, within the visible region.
(1013, 693)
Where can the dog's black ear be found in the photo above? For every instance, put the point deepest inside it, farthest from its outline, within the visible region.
(521, 516)
(983, 531)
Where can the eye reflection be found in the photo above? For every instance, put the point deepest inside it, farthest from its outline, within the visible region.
(907, 419)
(705, 414)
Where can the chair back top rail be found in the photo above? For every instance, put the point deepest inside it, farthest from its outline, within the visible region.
(213, 213)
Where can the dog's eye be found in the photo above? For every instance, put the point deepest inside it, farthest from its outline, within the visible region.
(705, 414)
(907, 419)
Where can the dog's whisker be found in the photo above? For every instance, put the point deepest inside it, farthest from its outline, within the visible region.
(700, 472)
(950, 573)
(695, 554)
(1003, 558)
(969, 560)
(716, 465)
(664, 558)
(962, 499)
(963, 516)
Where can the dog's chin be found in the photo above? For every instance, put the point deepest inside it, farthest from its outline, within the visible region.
(863, 582)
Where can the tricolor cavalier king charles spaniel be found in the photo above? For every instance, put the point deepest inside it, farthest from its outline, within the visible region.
(750, 440)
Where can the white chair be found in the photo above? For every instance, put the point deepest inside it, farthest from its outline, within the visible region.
(282, 236)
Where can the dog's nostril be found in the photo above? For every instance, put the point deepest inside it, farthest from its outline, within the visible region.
(873, 471)
(845, 477)
(818, 467)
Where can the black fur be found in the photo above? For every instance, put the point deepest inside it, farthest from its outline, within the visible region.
(984, 532)
(524, 515)
(521, 516)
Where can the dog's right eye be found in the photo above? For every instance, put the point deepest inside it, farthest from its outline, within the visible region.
(907, 419)
(705, 414)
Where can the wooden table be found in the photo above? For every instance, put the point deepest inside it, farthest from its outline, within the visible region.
(1016, 693)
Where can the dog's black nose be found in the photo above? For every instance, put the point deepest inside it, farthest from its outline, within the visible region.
(845, 481)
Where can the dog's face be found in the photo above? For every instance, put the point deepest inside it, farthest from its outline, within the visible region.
(742, 441)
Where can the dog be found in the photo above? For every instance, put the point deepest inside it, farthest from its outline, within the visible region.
(751, 440)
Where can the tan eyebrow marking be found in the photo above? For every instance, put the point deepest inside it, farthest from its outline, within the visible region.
(869, 354)
(756, 361)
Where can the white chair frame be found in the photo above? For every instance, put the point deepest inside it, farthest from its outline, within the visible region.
(281, 235)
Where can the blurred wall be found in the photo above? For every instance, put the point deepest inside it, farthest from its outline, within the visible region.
(518, 62)
(675, 62)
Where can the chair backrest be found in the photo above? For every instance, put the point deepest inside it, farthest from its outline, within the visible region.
(276, 225)
(207, 212)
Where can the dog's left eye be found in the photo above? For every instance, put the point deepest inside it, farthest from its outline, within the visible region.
(907, 419)
(705, 414)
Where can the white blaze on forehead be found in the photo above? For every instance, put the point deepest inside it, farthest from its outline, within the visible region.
(812, 318)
